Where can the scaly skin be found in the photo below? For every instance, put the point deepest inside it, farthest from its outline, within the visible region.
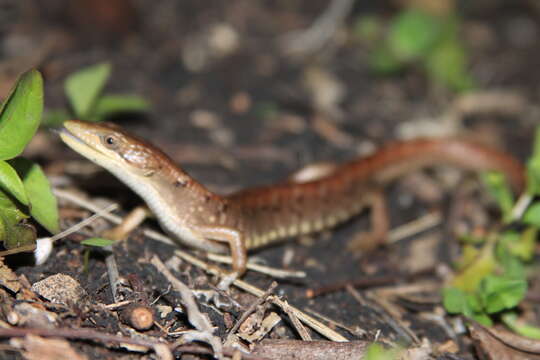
(259, 216)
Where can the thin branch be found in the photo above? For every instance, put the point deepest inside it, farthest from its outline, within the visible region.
(196, 318)
(270, 271)
(99, 213)
(414, 227)
(312, 39)
(251, 309)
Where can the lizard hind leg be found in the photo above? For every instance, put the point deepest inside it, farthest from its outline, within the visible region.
(379, 223)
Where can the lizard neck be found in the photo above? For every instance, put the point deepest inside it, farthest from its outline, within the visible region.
(180, 203)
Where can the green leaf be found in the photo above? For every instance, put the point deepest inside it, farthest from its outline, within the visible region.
(11, 183)
(532, 215)
(510, 319)
(524, 248)
(533, 176)
(266, 110)
(483, 319)
(43, 206)
(413, 33)
(113, 104)
(84, 87)
(19, 235)
(14, 232)
(533, 166)
(98, 242)
(20, 114)
(447, 64)
(383, 61)
(455, 301)
(498, 188)
(502, 292)
(470, 277)
(368, 28)
(54, 118)
(10, 209)
(509, 253)
(376, 351)
(474, 304)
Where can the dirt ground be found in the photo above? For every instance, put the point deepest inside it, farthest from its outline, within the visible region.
(237, 107)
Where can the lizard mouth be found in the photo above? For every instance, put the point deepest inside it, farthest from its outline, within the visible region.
(66, 134)
(76, 142)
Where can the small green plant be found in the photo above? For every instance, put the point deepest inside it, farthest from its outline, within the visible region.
(376, 351)
(24, 190)
(417, 37)
(492, 279)
(91, 243)
(84, 91)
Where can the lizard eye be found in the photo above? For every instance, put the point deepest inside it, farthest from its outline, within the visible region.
(110, 142)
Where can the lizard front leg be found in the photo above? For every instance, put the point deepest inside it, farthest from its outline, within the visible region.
(236, 242)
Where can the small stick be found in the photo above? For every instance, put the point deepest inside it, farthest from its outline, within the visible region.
(117, 305)
(24, 248)
(396, 324)
(362, 283)
(302, 331)
(356, 332)
(196, 318)
(414, 227)
(112, 272)
(521, 205)
(267, 270)
(312, 39)
(251, 309)
(98, 213)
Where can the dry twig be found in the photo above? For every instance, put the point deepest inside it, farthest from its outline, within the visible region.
(252, 308)
(320, 32)
(200, 321)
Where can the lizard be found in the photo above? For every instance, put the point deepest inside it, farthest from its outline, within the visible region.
(259, 216)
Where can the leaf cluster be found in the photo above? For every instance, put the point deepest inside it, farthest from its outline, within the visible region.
(24, 190)
(417, 38)
(84, 90)
(492, 280)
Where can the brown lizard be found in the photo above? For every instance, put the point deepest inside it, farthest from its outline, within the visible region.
(260, 216)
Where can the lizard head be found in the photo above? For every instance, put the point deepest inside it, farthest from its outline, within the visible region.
(113, 148)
